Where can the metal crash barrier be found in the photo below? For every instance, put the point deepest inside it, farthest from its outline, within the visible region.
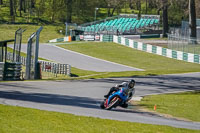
(3, 58)
(12, 71)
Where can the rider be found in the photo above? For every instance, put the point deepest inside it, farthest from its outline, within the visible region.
(129, 85)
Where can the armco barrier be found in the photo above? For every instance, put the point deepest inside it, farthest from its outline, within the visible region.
(107, 38)
(150, 36)
(64, 39)
(179, 55)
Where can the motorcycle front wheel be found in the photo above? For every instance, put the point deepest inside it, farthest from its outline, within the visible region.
(114, 102)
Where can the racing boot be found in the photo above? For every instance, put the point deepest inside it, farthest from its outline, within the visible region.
(106, 96)
(124, 105)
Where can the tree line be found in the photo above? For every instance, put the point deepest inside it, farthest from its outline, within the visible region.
(82, 11)
(70, 10)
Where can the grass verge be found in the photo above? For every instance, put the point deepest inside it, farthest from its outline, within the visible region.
(19, 119)
(49, 32)
(151, 63)
(184, 105)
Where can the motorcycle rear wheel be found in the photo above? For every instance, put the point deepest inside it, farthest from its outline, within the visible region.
(102, 105)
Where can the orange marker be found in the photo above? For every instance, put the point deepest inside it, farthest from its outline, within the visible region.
(155, 107)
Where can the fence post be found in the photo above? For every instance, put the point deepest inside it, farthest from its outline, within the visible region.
(28, 58)
(65, 69)
(37, 71)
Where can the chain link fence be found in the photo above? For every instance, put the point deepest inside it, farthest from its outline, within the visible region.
(179, 39)
(30, 61)
(17, 45)
(179, 43)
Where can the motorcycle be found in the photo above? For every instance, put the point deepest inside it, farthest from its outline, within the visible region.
(118, 98)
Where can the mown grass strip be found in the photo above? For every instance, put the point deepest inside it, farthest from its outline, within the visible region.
(18, 119)
(185, 105)
(49, 32)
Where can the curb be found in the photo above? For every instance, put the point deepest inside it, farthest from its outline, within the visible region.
(178, 55)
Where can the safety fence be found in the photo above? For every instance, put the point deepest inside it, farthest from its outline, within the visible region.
(179, 55)
(47, 66)
(187, 45)
(55, 68)
(184, 31)
(64, 39)
(17, 45)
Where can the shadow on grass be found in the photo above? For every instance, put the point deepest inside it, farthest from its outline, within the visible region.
(73, 75)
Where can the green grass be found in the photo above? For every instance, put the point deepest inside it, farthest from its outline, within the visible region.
(185, 105)
(19, 119)
(7, 32)
(75, 74)
(151, 63)
(78, 72)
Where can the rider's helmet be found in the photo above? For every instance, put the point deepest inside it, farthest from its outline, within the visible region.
(131, 83)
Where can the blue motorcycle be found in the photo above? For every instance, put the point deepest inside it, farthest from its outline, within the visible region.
(118, 98)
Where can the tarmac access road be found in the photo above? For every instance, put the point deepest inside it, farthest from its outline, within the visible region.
(83, 97)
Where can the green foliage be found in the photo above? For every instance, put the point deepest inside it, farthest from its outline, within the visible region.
(19, 119)
(49, 32)
(185, 105)
(59, 11)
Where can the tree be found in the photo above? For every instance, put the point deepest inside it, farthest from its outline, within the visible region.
(152, 4)
(165, 17)
(20, 7)
(177, 11)
(192, 18)
(131, 4)
(69, 10)
(138, 7)
(1, 2)
(11, 8)
(112, 5)
(15, 7)
(197, 4)
(146, 7)
(24, 6)
(32, 4)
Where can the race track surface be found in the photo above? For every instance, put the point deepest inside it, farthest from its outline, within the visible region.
(84, 96)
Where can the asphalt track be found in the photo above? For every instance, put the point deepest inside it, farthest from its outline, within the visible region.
(81, 61)
(83, 97)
